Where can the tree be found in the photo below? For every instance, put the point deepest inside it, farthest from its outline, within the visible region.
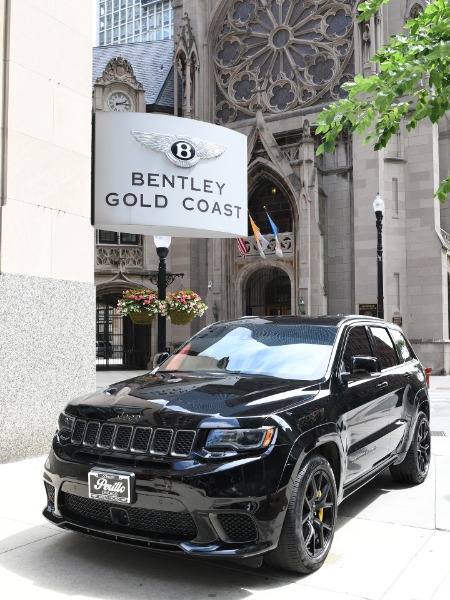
(413, 83)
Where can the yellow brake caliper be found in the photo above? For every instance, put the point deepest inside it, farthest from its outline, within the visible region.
(320, 511)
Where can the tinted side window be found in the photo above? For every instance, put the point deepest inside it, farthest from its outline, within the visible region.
(384, 347)
(403, 349)
(357, 345)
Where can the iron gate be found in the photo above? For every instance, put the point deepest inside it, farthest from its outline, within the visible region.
(119, 343)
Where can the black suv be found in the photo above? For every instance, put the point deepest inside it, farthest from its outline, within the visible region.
(244, 442)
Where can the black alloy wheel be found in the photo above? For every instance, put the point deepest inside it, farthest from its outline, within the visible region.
(310, 520)
(415, 466)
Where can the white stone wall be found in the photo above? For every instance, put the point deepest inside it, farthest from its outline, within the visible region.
(47, 357)
(47, 315)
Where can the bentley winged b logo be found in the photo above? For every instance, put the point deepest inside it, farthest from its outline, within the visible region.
(183, 151)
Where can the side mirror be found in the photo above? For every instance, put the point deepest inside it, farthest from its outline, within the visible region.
(362, 368)
(159, 358)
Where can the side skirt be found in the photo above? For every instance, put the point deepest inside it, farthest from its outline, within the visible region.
(355, 485)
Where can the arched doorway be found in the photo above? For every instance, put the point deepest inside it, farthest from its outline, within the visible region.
(268, 292)
(119, 343)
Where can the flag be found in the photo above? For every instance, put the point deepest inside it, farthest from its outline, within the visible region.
(261, 241)
(278, 250)
(242, 247)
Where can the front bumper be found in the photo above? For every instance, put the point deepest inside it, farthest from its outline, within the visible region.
(227, 510)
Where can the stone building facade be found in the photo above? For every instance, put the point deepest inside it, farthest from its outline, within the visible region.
(47, 293)
(266, 69)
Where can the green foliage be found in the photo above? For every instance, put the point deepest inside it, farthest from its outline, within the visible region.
(412, 84)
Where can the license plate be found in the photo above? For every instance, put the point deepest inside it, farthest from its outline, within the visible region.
(112, 486)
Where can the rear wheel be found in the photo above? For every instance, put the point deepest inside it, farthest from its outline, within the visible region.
(414, 467)
(310, 520)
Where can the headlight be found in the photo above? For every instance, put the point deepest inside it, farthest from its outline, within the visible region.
(240, 439)
(65, 424)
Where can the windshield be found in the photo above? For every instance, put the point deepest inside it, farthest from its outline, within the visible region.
(288, 351)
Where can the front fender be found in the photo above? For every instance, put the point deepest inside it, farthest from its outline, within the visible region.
(323, 439)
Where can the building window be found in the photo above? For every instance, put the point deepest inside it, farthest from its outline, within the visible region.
(114, 238)
(134, 21)
(395, 204)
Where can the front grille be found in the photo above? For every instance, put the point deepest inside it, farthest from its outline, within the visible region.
(238, 527)
(158, 522)
(138, 440)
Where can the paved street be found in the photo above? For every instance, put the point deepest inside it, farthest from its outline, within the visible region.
(392, 543)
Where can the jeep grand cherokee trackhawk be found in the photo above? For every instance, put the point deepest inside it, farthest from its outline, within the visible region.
(244, 441)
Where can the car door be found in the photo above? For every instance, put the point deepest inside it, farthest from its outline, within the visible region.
(395, 377)
(365, 409)
(410, 374)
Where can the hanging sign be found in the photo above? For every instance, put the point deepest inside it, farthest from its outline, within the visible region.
(163, 175)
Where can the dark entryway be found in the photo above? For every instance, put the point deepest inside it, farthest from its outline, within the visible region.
(268, 292)
(119, 343)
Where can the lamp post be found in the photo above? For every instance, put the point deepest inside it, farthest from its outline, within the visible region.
(378, 207)
(302, 306)
(162, 244)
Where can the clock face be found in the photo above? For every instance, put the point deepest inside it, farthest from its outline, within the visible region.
(119, 101)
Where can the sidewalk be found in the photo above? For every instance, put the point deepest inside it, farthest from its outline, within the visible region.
(440, 382)
(392, 543)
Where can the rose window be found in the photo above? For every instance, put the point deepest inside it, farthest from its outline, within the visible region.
(280, 55)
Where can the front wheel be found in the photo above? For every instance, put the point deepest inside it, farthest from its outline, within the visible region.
(414, 467)
(310, 521)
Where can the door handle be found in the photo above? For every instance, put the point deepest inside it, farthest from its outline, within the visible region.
(382, 385)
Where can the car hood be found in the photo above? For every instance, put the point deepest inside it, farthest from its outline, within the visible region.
(186, 400)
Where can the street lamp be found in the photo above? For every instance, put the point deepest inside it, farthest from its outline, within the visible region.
(162, 244)
(302, 306)
(378, 207)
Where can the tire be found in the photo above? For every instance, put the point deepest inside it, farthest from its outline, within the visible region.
(415, 466)
(310, 520)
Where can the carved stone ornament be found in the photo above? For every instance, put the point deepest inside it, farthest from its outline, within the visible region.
(119, 69)
(278, 55)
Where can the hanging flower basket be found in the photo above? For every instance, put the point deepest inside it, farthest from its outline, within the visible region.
(141, 318)
(140, 305)
(180, 318)
(181, 307)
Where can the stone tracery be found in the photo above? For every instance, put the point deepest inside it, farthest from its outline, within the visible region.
(278, 55)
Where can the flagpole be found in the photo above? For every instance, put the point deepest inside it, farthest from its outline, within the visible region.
(278, 250)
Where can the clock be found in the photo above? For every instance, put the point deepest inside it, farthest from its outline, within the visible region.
(119, 101)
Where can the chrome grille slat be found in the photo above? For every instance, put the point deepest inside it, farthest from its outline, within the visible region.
(184, 440)
(161, 441)
(90, 435)
(106, 435)
(140, 440)
(123, 437)
(78, 431)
